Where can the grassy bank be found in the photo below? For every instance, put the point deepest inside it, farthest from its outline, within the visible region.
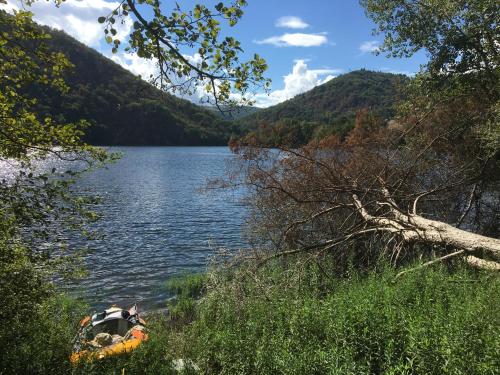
(294, 318)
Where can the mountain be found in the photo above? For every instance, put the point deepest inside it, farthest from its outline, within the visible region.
(122, 108)
(237, 113)
(330, 107)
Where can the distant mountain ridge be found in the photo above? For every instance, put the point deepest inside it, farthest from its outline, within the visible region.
(122, 108)
(331, 107)
(234, 113)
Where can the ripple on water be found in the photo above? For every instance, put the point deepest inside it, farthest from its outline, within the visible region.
(156, 223)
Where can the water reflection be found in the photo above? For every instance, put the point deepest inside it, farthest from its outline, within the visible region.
(155, 221)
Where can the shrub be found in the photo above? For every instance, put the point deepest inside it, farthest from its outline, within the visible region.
(40, 341)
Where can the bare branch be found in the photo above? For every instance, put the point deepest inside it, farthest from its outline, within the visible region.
(426, 264)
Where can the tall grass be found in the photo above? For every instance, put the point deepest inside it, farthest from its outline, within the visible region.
(296, 318)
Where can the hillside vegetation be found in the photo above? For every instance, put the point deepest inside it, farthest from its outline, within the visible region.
(331, 107)
(122, 108)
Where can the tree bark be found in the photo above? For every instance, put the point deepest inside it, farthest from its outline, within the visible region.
(416, 228)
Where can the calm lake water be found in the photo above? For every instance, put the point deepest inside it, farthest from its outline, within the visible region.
(156, 223)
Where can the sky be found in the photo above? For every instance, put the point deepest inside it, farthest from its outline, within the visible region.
(305, 42)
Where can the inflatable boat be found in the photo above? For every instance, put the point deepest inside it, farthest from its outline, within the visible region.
(111, 332)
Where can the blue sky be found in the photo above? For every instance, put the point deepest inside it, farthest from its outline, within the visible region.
(305, 43)
(345, 26)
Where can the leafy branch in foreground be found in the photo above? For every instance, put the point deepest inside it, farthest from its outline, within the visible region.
(40, 156)
(27, 63)
(214, 65)
(39, 160)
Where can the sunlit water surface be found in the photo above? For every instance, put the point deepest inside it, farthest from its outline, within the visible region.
(156, 223)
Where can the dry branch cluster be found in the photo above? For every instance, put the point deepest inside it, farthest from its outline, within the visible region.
(419, 186)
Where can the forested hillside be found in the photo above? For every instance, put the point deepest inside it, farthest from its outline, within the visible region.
(331, 107)
(122, 108)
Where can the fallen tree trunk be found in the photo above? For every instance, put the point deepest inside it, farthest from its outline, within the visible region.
(482, 264)
(415, 228)
(432, 231)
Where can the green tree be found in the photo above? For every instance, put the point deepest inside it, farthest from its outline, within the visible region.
(461, 40)
(460, 36)
(37, 207)
(32, 191)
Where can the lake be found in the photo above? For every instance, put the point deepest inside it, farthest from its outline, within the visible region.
(156, 223)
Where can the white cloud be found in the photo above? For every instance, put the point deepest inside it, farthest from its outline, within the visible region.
(370, 46)
(291, 22)
(195, 59)
(300, 80)
(296, 40)
(9, 7)
(78, 18)
(135, 64)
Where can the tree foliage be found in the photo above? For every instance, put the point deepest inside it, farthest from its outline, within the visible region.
(26, 61)
(39, 157)
(460, 36)
(164, 36)
(30, 140)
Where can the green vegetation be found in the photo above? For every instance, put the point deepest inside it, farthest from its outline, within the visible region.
(324, 301)
(123, 109)
(187, 290)
(41, 337)
(37, 207)
(294, 318)
(236, 113)
(329, 108)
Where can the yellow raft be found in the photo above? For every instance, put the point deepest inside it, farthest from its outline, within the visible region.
(111, 332)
